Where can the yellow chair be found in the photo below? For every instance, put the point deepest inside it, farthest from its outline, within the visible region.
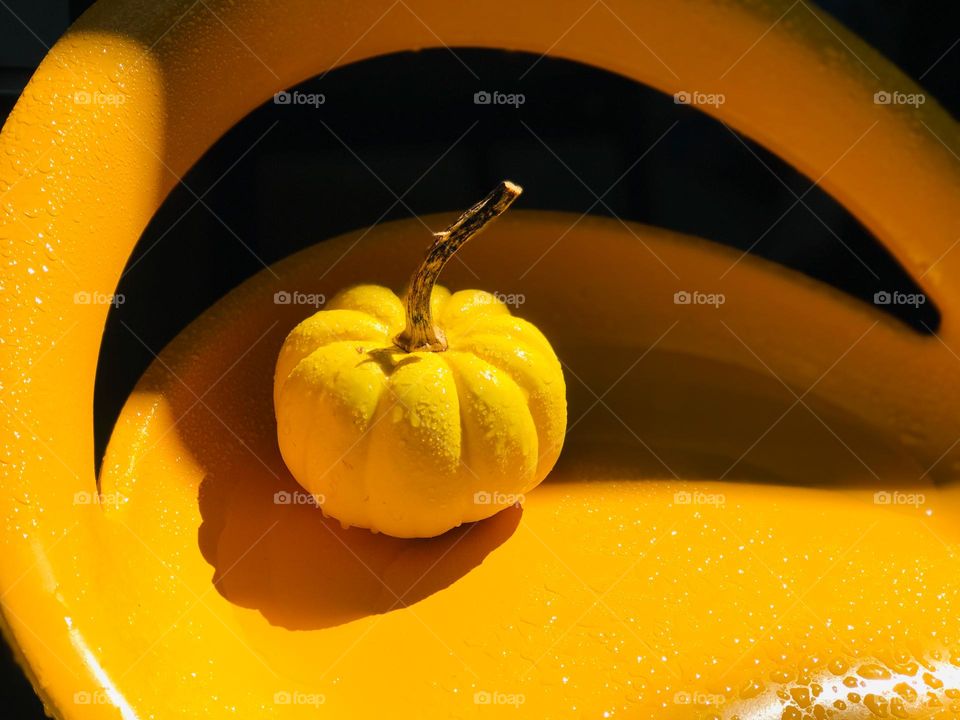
(754, 515)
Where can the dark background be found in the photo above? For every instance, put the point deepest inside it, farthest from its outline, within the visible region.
(359, 157)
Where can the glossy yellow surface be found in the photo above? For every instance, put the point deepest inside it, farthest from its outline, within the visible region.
(414, 444)
(187, 593)
(631, 582)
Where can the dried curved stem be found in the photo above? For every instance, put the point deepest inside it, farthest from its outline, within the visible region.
(420, 333)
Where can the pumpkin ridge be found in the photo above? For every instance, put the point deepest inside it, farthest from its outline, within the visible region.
(483, 352)
(284, 365)
(507, 379)
(458, 382)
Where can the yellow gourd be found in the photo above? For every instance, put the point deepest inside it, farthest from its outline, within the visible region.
(411, 428)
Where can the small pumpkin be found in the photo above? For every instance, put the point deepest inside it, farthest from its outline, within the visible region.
(412, 417)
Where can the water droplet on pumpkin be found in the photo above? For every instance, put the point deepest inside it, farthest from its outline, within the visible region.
(801, 696)
(837, 666)
(872, 671)
(877, 704)
(905, 691)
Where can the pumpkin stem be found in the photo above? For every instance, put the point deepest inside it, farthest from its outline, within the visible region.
(421, 334)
